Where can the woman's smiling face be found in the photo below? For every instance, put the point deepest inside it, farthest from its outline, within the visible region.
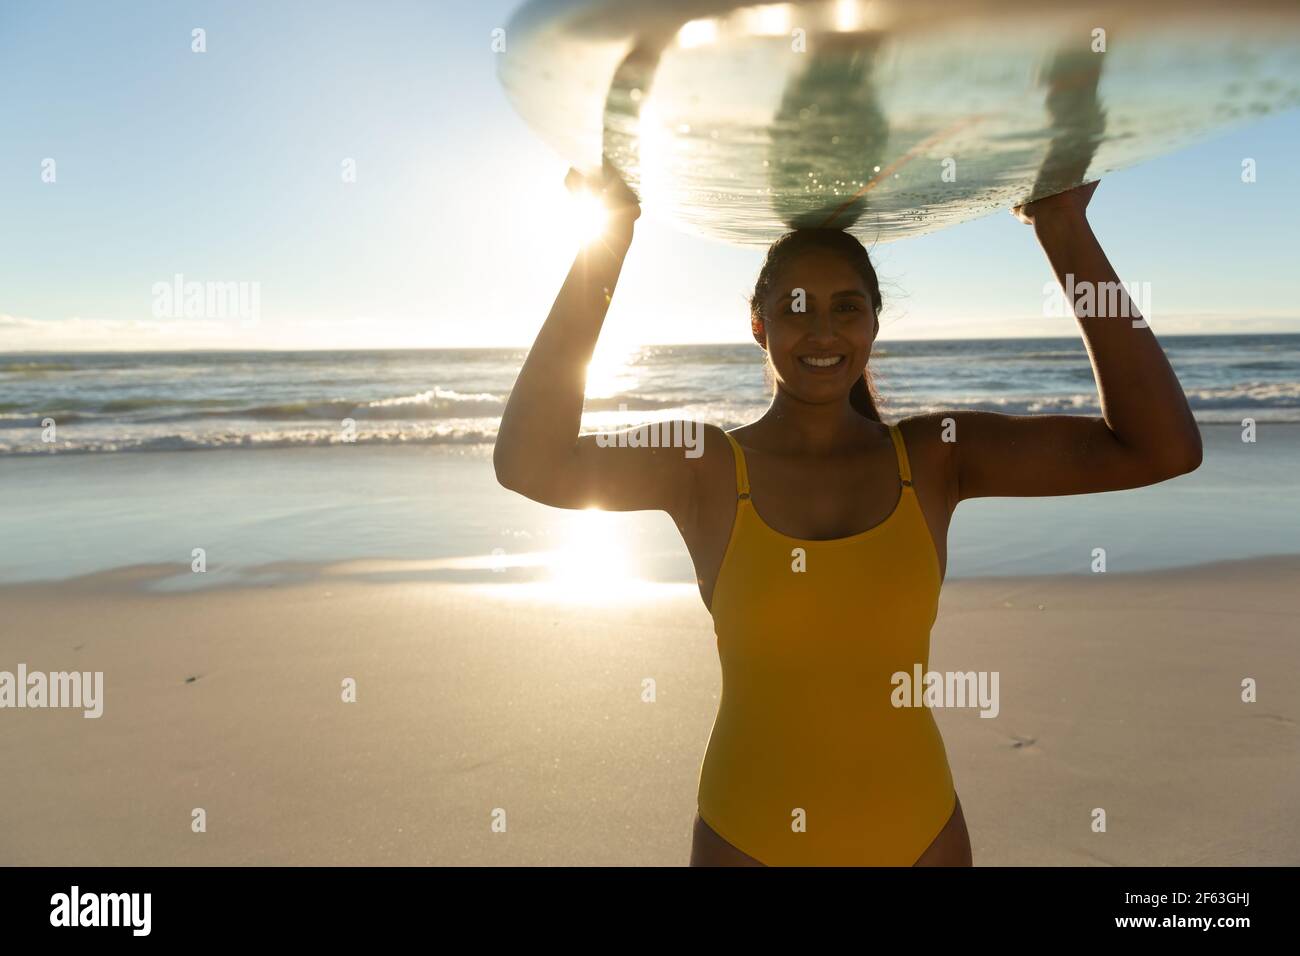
(819, 327)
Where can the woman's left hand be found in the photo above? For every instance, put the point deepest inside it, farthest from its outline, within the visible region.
(1072, 202)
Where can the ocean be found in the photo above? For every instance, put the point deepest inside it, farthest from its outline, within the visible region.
(122, 402)
(279, 492)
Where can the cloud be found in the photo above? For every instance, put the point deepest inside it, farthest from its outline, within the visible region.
(78, 334)
(22, 334)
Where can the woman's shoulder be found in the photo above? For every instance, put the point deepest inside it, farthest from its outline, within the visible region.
(930, 427)
(740, 434)
(930, 440)
(714, 445)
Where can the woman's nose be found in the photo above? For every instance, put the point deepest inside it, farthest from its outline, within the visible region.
(820, 322)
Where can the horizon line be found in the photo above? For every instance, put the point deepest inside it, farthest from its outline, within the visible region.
(485, 348)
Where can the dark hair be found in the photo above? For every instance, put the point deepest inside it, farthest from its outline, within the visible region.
(862, 396)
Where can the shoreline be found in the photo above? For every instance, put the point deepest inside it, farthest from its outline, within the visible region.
(156, 578)
(441, 505)
(478, 448)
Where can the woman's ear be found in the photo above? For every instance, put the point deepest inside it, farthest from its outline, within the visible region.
(759, 332)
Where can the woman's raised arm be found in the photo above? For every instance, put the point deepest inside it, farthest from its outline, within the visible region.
(538, 452)
(1146, 432)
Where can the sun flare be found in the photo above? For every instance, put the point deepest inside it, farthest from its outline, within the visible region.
(594, 561)
(610, 371)
(587, 217)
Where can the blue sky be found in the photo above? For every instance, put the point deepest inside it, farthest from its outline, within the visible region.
(225, 166)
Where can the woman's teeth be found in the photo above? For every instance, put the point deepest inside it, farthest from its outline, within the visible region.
(826, 362)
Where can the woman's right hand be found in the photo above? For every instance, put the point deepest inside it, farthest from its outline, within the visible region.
(614, 194)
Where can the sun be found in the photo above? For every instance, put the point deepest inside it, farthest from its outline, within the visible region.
(587, 217)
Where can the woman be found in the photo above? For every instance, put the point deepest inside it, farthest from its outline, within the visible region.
(818, 533)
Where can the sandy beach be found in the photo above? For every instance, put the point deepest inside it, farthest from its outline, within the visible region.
(1117, 691)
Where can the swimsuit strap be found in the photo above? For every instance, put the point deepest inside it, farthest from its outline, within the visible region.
(900, 449)
(742, 475)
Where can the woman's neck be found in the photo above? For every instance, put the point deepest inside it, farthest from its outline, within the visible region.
(803, 428)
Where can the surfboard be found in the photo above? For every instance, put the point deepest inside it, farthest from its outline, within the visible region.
(889, 118)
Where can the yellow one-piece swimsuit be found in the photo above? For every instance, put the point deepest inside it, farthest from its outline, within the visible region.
(809, 762)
